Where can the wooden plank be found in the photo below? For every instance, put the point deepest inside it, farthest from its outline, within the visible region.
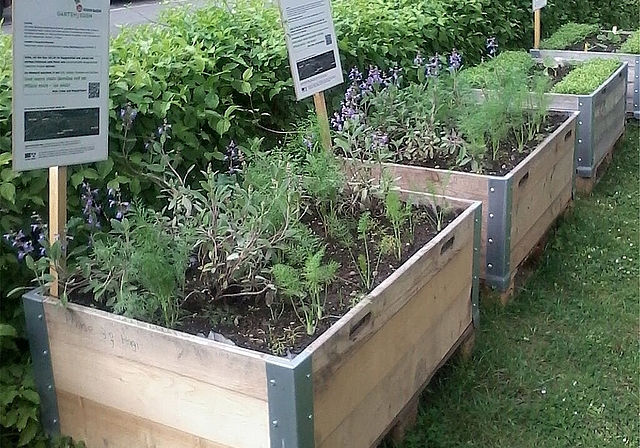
(100, 426)
(336, 344)
(608, 117)
(398, 384)
(547, 176)
(161, 396)
(560, 101)
(338, 386)
(238, 370)
(520, 251)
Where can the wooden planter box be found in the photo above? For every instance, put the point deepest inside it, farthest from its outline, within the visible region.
(517, 208)
(633, 73)
(601, 122)
(120, 383)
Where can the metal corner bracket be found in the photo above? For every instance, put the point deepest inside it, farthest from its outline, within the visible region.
(290, 392)
(477, 259)
(499, 233)
(584, 137)
(33, 303)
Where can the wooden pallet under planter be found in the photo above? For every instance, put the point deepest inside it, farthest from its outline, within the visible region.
(633, 72)
(120, 383)
(600, 125)
(517, 208)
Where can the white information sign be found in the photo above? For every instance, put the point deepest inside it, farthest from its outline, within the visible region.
(539, 4)
(312, 45)
(60, 82)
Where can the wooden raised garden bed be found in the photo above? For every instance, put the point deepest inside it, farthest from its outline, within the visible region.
(633, 73)
(600, 124)
(120, 383)
(518, 208)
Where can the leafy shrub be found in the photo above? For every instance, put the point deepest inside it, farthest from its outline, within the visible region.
(632, 44)
(586, 77)
(569, 34)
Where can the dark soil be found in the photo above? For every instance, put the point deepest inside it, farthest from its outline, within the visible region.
(600, 45)
(556, 74)
(248, 322)
(508, 155)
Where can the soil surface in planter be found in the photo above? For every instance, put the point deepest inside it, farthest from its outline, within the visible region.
(600, 45)
(508, 155)
(554, 74)
(245, 320)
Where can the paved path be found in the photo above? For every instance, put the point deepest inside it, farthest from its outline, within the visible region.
(125, 13)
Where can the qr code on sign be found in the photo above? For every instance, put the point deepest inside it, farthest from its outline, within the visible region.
(328, 40)
(94, 90)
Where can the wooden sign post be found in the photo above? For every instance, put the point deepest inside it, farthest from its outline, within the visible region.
(57, 217)
(323, 120)
(537, 6)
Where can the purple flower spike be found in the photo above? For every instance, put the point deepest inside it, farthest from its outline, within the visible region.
(492, 46)
(455, 60)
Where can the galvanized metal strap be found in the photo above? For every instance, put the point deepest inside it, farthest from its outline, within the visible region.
(41, 358)
(290, 394)
(499, 233)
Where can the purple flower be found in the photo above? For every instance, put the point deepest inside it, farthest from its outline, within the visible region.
(355, 75)
(492, 46)
(29, 242)
(128, 115)
(418, 60)
(432, 69)
(233, 157)
(379, 140)
(455, 60)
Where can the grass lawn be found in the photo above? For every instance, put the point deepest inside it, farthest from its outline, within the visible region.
(560, 365)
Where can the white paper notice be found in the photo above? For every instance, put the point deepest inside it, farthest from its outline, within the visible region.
(312, 45)
(539, 4)
(60, 82)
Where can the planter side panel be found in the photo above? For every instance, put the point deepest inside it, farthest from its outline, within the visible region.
(365, 372)
(608, 117)
(89, 421)
(169, 383)
(541, 191)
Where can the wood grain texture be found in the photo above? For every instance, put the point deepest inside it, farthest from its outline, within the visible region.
(100, 426)
(547, 176)
(214, 363)
(414, 361)
(356, 391)
(57, 215)
(166, 398)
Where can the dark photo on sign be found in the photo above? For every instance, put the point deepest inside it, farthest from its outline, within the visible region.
(316, 65)
(61, 123)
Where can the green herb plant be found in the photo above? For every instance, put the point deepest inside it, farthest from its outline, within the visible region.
(568, 35)
(587, 77)
(632, 44)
